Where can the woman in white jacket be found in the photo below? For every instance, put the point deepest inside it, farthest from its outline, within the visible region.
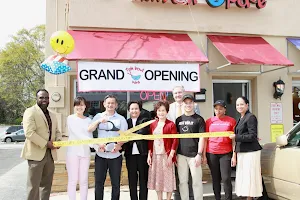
(78, 157)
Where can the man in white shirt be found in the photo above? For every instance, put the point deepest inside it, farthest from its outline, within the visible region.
(176, 110)
(108, 155)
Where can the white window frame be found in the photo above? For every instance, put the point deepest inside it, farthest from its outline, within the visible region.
(235, 81)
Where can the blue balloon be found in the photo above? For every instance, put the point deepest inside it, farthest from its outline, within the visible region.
(55, 67)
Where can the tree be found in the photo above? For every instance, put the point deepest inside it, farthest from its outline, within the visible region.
(20, 72)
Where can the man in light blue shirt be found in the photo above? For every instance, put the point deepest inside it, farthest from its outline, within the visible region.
(108, 156)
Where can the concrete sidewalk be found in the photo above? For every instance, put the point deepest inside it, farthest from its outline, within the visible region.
(13, 187)
(207, 188)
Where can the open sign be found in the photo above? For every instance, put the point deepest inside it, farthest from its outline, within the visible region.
(152, 96)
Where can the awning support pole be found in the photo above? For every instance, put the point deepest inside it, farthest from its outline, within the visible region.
(220, 67)
(275, 69)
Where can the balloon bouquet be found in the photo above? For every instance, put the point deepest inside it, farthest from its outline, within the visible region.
(62, 43)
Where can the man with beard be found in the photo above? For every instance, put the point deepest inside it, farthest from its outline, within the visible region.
(41, 129)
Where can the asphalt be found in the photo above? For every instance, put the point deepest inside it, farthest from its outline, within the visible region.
(9, 156)
(13, 173)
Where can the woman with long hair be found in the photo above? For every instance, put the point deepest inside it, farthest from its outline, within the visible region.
(161, 156)
(78, 157)
(248, 182)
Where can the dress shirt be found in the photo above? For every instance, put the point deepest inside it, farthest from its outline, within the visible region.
(120, 122)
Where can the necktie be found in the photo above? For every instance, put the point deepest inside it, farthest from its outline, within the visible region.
(179, 111)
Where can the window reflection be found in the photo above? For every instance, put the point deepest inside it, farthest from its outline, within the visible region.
(294, 136)
(296, 104)
(95, 102)
(150, 98)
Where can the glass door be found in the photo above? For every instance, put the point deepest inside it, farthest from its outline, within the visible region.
(229, 91)
(296, 102)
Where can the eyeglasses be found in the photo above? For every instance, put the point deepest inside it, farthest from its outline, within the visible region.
(110, 127)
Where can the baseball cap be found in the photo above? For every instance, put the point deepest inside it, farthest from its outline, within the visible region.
(187, 96)
(220, 102)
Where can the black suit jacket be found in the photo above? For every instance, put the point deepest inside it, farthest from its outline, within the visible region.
(246, 134)
(145, 114)
(142, 145)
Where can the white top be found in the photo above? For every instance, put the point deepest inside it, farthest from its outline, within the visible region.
(135, 150)
(78, 130)
(158, 145)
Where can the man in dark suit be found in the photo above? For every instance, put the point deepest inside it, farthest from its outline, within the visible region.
(136, 153)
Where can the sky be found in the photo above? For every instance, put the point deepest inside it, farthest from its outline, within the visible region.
(18, 14)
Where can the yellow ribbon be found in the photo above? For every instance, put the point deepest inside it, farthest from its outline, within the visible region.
(128, 135)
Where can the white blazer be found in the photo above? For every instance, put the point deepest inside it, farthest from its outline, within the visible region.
(172, 111)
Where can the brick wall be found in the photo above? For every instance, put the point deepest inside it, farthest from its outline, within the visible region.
(60, 180)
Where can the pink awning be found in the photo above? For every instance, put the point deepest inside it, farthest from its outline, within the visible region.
(135, 47)
(240, 50)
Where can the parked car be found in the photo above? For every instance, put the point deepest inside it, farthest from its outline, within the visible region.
(281, 166)
(17, 136)
(12, 129)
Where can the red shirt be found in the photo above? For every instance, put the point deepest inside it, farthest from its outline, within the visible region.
(219, 145)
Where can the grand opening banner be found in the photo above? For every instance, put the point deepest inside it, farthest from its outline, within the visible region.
(103, 76)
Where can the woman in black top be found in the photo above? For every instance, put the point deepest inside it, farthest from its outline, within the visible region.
(248, 181)
(136, 153)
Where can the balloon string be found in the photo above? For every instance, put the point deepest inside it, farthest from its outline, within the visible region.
(56, 13)
(196, 27)
(67, 14)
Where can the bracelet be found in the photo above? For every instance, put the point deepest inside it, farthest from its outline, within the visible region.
(200, 154)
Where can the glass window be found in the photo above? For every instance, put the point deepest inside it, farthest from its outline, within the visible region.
(296, 102)
(95, 102)
(150, 98)
(294, 136)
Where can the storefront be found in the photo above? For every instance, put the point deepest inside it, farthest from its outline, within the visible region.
(240, 51)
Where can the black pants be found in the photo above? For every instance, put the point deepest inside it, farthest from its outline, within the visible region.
(220, 168)
(114, 168)
(190, 183)
(137, 167)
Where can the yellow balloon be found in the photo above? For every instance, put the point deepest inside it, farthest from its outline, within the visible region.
(62, 42)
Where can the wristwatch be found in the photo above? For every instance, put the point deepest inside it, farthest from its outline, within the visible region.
(200, 154)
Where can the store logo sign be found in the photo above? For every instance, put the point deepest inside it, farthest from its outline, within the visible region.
(239, 3)
(135, 73)
(179, 2)
(213, 3)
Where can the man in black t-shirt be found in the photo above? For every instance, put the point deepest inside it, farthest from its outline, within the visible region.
(189, 152)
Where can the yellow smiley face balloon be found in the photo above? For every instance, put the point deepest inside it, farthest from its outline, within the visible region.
(62, 42)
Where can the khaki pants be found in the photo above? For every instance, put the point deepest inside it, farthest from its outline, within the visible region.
(184, 164)
(40, 176)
